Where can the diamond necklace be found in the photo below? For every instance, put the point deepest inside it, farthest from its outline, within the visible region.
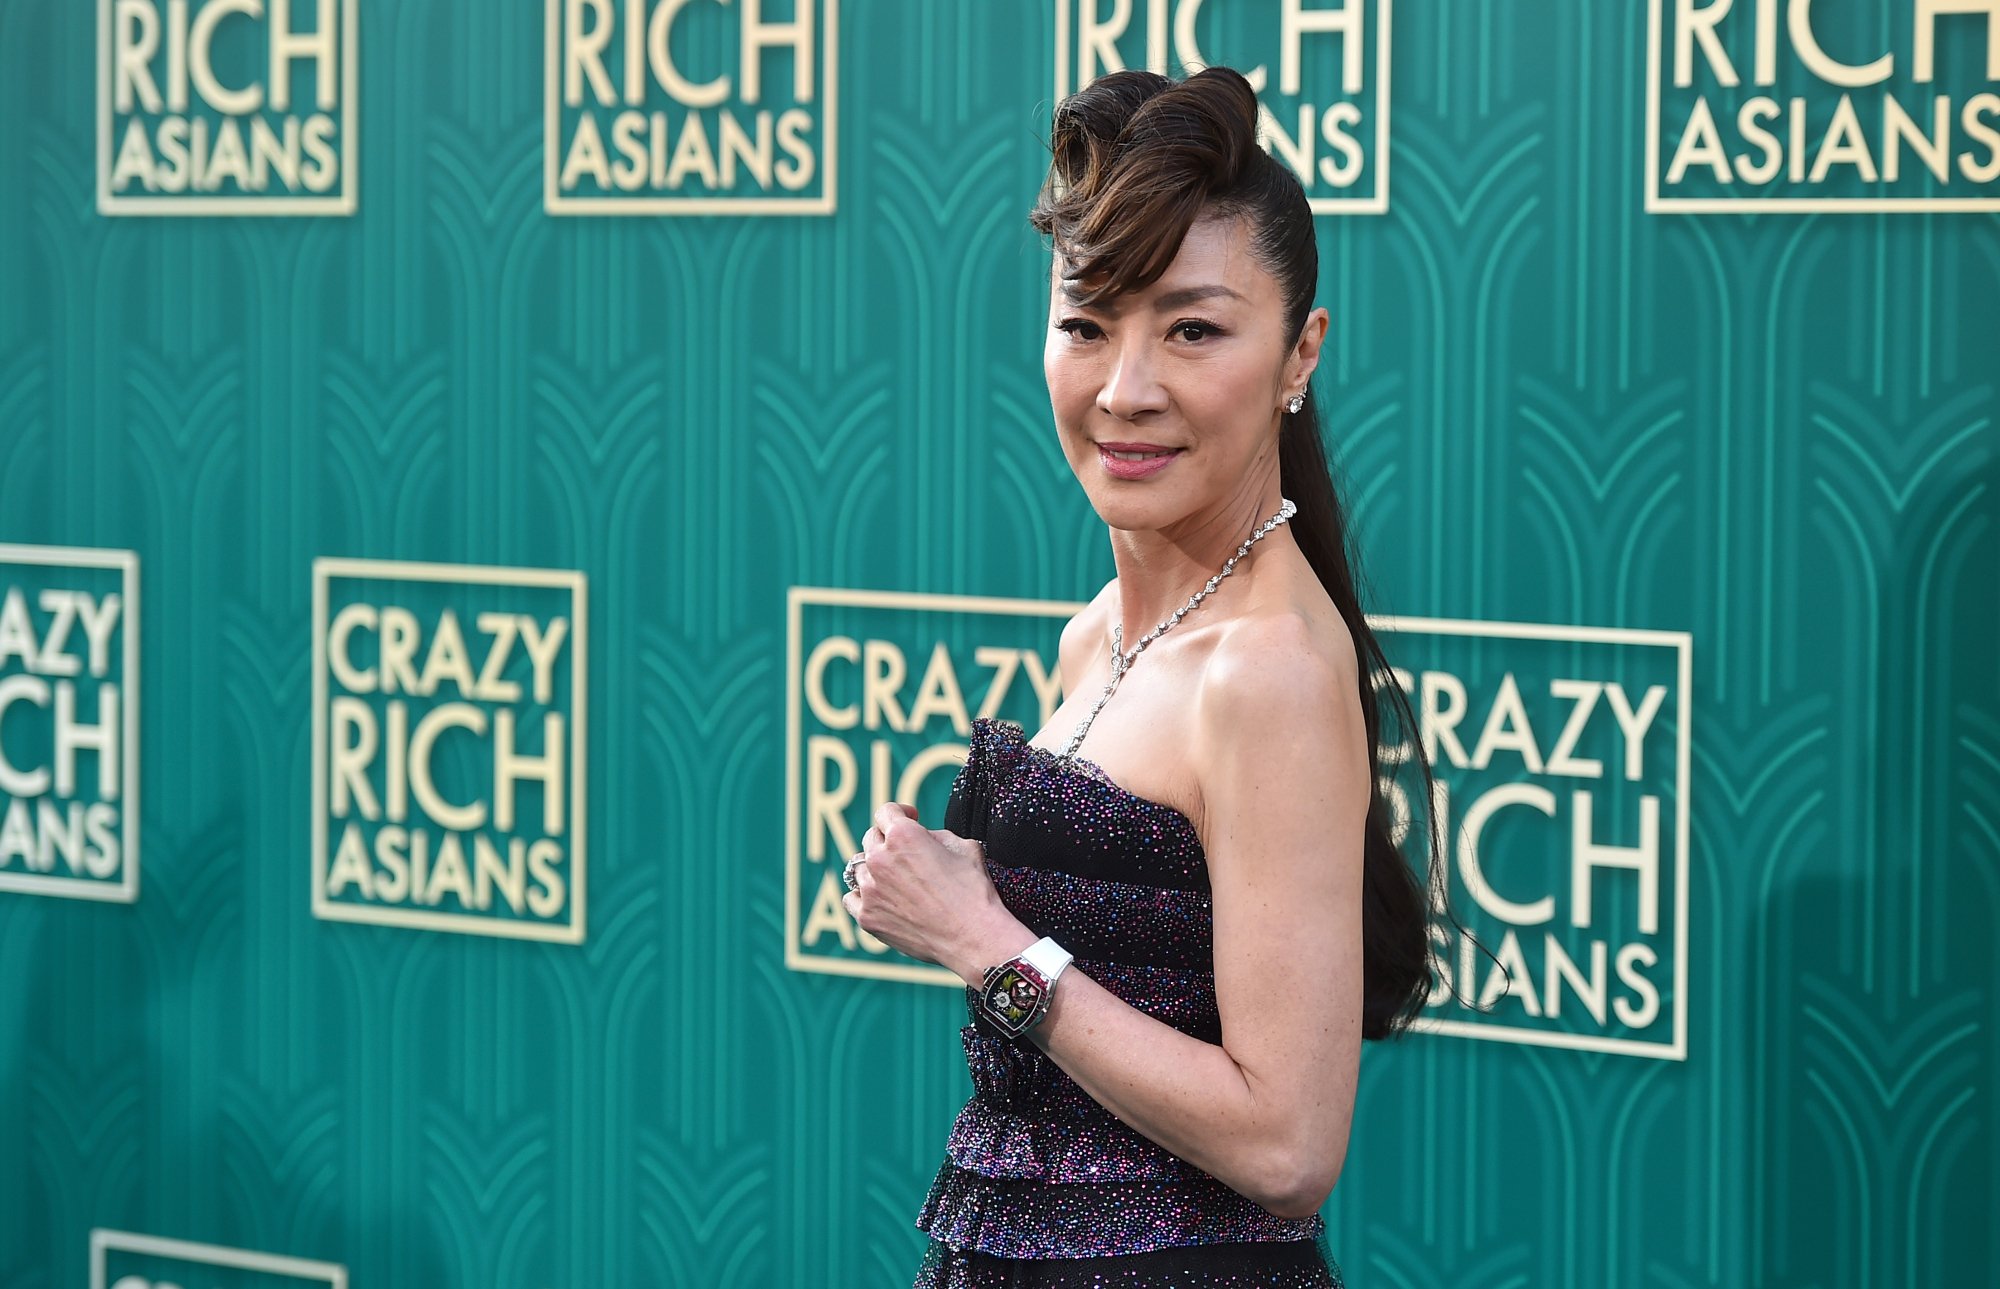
(1122, 659)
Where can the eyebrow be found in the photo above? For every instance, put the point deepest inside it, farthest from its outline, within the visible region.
(1169, 300)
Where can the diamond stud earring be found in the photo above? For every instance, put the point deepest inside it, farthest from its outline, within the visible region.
(1294, 403)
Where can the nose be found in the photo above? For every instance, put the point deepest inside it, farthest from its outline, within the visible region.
(1131, 387)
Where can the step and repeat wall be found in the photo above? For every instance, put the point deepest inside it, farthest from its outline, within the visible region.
(491, 495)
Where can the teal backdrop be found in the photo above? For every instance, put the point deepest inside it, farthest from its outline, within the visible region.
(1760, 441)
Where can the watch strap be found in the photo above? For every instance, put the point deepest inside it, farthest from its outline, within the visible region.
(1047, 957)
(1039, 964)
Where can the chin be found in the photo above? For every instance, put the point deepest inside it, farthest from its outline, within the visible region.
(1131, 509)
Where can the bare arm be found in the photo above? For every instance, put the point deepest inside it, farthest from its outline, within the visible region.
(1283, 766)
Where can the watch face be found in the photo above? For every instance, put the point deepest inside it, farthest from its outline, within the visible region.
(1012, 996)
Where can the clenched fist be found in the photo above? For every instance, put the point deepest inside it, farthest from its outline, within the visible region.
(926, 892)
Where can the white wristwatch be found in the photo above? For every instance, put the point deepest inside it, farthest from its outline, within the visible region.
(1015, 994)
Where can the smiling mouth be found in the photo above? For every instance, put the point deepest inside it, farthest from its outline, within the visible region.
(1135, 460)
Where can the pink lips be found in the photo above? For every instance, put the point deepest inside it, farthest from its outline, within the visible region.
(1134, 469)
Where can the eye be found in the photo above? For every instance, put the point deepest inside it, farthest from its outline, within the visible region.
(1202, 329)
(1075, 327)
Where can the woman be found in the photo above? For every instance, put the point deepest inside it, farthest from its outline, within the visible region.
(1171, 1104)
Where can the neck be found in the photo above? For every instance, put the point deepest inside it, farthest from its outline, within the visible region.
(1158, 569)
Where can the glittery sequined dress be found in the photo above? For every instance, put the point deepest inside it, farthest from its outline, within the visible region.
(1041, 1185)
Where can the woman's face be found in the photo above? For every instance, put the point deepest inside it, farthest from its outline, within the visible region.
(1190, 373)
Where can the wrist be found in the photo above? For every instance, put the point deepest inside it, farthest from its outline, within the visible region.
(1016, 993)
(992, 946)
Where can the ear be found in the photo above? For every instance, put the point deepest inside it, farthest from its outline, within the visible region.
(1304, 358)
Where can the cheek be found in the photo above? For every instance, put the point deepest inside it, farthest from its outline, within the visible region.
(1245, 377)
(1071, 386)
(1228, 390)
(1219, 406)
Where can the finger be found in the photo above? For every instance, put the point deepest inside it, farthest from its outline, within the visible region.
(971, 847)
(953, 841)
(890, 811)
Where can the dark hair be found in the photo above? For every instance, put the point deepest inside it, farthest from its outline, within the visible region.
(1137, 159)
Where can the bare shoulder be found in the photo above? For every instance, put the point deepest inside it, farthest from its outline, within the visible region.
(1278, 707)
(1274, 663)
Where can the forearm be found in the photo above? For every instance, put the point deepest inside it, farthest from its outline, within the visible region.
(1189, 1096)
